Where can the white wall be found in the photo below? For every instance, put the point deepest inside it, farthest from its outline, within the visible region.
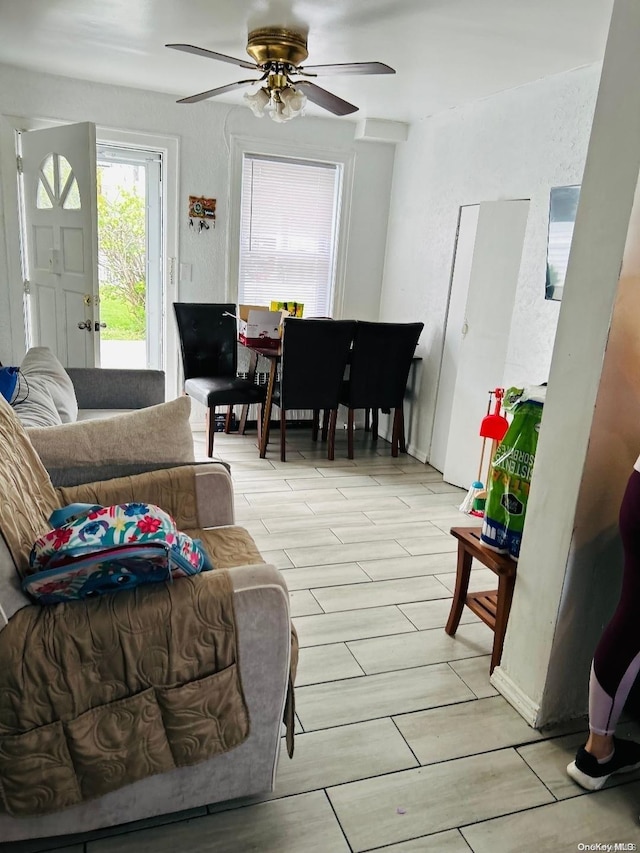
(569, 568)
(516, 144)
(204, 131)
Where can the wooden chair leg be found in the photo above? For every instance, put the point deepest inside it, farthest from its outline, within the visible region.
(227, 420)
(315, 427)
(242, 426)
(331, 450)
(350, 434)
(260, 416)
(506, 584)
(395, 432)
(374, 425)
(283, 435)
(325, 423)
(463, 572)
(266, 430)
(403, 440)
(211, 428)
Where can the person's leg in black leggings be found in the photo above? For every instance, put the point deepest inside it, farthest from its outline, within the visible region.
(616, 663)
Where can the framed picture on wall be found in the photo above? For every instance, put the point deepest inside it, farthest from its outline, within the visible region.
(563, 204)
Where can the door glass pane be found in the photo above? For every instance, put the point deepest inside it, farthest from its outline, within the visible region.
(64, 169)
(72, 197)
(47, 170)
(43, 199)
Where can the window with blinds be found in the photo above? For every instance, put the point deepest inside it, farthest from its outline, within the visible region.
(288, 232)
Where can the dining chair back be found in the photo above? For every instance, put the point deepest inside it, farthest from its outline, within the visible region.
(380, 363)
(314, 357)
(209, 347)
(208, 338)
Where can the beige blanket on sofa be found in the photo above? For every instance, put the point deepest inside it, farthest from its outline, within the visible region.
(99, 693)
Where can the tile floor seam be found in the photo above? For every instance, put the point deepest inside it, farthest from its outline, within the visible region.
(409, 747)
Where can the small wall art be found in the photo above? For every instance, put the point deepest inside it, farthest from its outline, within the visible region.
(202, 209)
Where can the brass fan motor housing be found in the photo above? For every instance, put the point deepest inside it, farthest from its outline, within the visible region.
(275, 44)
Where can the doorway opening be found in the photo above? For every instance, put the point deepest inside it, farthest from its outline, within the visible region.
(130, 249)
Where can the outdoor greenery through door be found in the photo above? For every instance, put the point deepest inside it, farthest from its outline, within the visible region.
(129, 267)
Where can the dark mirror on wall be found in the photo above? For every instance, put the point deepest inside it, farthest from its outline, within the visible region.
(562, 216)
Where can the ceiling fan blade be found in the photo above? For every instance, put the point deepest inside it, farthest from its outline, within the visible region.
(211, 54)
(326, 100)
(211, 93)
(347, 68)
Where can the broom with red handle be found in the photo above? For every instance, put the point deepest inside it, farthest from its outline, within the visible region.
(493, 426)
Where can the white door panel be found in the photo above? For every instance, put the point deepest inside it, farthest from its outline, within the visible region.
(463, 257)
(60, 210)
(484, 332)
(43, 330)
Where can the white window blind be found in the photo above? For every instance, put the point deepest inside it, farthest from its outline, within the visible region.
(288, 232)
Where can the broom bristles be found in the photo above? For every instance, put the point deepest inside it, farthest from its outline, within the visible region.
(474, 489)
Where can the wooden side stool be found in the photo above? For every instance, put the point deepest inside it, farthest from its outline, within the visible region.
(493, 606)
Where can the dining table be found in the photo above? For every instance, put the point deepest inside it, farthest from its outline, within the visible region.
(273, 354)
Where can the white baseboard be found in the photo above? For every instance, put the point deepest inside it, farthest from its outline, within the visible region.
(420, 455)
(523, 704)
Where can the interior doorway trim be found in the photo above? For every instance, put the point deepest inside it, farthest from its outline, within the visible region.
(168, 147)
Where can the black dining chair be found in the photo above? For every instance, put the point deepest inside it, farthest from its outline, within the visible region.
(209, 346)
(379, 369)
(314, 357)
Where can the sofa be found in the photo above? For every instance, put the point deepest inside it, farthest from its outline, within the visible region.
(65, 411)
(49, 394)
(201, 500)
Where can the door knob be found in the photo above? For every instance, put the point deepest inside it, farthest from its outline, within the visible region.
(97, 326)
(85, 324)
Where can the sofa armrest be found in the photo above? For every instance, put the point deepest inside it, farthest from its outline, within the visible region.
(195, 495)
(110, 388)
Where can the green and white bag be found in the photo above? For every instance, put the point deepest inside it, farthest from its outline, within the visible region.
(510, 474)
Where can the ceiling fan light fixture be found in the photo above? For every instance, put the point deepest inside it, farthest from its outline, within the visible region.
(258, 102)
(277, 112)
(294, 102)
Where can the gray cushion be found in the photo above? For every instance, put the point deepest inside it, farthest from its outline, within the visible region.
(34, 404)
(41, 363)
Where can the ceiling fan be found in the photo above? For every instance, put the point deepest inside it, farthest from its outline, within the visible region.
(278, 54)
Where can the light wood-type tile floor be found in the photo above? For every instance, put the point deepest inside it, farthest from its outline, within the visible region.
(403, 744)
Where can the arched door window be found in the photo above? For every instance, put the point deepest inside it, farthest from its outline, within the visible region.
(57, 185)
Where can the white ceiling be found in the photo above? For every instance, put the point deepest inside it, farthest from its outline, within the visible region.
(445, 52)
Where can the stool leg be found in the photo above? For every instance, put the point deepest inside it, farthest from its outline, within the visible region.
(505, 594)
(463, 572)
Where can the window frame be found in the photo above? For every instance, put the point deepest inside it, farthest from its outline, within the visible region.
(345, 160)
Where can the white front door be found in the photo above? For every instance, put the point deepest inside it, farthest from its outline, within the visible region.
(58, 171)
